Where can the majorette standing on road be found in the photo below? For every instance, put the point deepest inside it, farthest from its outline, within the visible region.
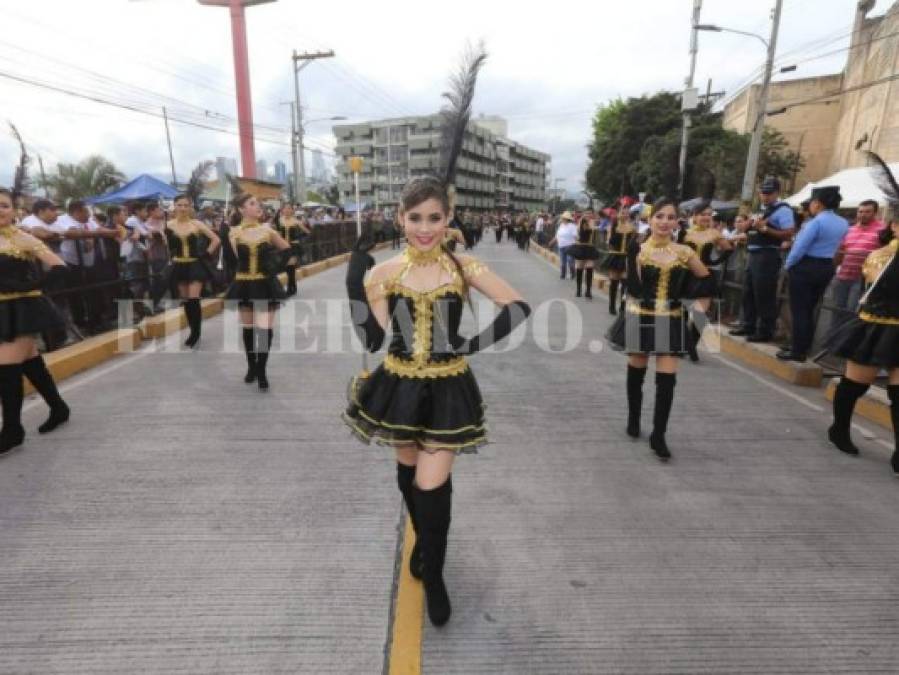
(423, 399)
(261, 254)
(712, 248)
(654, 320)
(584, 254)
(622, 232)
(293, 232)
(870, 341)
(191, 246)
(24, 313)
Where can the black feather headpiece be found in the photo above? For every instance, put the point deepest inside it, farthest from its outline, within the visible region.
(455, 115)
(886, 181)
(21, 182)
(197, 183)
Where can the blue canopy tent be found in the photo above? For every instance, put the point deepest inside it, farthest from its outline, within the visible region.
(142, 187)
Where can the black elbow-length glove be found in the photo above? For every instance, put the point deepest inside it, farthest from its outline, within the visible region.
(505, 322)
(370, 332)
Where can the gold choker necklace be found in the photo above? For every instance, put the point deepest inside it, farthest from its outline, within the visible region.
(418, 257)
(654, 243)
(248, 225)
(8, 230)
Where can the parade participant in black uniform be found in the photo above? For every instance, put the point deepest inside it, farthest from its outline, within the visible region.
(584, 253)
(24, 313)
(870, 341)
(261, 254)
(293, 231)
(423, 399)
(712, 247)
(622, 232)
(654, 320)
(191, 246)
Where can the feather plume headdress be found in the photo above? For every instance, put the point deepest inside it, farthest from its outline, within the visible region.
(456, 114)
(21, 182)
(886, 181)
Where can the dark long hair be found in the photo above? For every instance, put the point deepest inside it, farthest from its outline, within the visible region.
(236, 203)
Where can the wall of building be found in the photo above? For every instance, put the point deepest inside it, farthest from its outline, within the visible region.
(492, 170)
(808, 129)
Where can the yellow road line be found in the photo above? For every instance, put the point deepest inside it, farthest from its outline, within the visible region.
(405, 640)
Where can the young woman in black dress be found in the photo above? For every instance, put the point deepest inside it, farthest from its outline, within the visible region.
(653, 323)
(293, 231)
(622, 233)
(191, 247)
(24, 314)
(585, 255)
(261, 254)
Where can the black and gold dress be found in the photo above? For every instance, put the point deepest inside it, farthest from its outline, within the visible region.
(584, 249)
(706, 247)
(654, 320)
(871, 338)
(620, 238)
(420, 393)
(258, 265)
(294, 235)
(24, 309)
(187, 253)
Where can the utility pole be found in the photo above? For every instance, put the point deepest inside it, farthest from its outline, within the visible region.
(40, 163)
(293, 146)
(755, 145)
(168, 138)
(303, 60)
(686, 105)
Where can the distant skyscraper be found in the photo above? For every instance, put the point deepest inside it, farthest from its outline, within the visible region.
(225, 165)
(280, 172)
(319, 170)
(261, 169)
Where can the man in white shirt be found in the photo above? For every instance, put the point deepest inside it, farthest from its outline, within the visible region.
(79, 251)
(538, 228)
(43, 215)
(566, 236)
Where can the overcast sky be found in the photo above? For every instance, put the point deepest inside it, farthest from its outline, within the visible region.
(549, 67)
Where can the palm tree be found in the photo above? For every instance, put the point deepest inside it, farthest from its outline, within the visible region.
(92, 176)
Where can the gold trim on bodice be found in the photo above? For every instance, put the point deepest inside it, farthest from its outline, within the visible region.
(185, 244)
(681, 254)
(879, 259)
(252, 273)
(20, 294)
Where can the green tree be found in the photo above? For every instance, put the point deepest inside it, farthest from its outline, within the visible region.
(92, 176)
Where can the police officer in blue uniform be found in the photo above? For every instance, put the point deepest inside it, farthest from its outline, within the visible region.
(765, 234)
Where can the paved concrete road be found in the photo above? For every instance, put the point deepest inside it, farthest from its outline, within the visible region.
(184, 523)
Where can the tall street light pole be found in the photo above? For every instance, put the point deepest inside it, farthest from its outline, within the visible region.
(300, 61)
(758, 128)
(242, 79)
(687, 102)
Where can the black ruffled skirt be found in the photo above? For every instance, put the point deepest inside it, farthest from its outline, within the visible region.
(437, 413)
(28, 316)
(866, 343)
(247, 292)
(186, 272)
(613, 263)
(584, 252)
(649, 334)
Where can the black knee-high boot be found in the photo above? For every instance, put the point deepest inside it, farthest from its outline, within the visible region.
(844, 399)
(432, 508)
(579, 280)
(588, 282)
(693, 341)
(36, 371)
(664, 398)
(249, 348)
(405, 479)
(635, 377)
(893, 393)
(613, 296)
(263, 346)
(11, 395)
(291, 280)
(194, 319)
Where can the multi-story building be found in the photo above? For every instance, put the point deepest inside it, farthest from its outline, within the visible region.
(261, 169)
(280, 172)
(225, 165)
(493, 171)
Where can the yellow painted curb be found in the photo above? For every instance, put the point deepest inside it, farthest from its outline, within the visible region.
(408, 613)
(68, 361)
(873, 406)
(762, 356)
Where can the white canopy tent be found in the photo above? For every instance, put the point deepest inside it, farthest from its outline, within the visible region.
(856, 185)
